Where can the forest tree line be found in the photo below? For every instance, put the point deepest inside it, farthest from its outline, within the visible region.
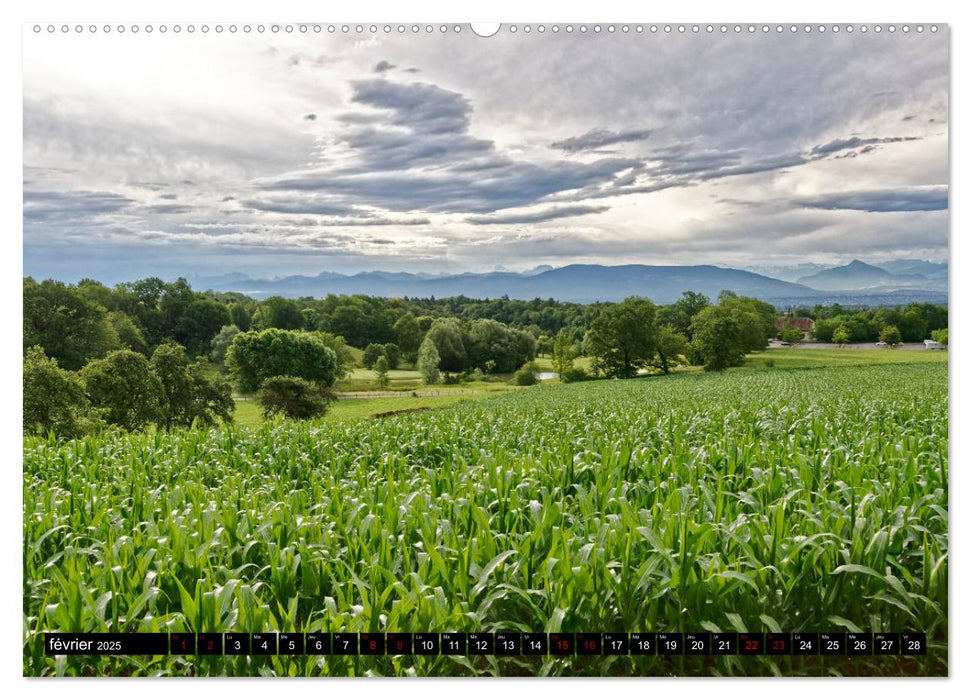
(180, 352)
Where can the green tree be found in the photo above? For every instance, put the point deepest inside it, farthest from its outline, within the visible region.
(544, 345)
(428, 360)
(841, 336)
(239, 316)
(345, 356)
(255, 356)
(220, 344)
(940, 335)
(891, 336)
(124, 386)
(294, 397)
(189, 318)
(70, 328)
(371, 354)
(564, 352)
(408, 336)
(446, 334)
(54, 399)
(278, 312)
(671, 345)
(526, 375)
(720, 337)
(679, 314)
(724, 333)
(393, 353)
(212, 397)
(381, 369)
(623, 338)
(495, 347)
(791, 334)
(361, 321)
(129, 335)
(187, 394)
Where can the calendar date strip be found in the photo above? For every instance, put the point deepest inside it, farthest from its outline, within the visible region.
(486, 644)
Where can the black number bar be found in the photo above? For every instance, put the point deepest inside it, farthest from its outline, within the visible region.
(483, 643)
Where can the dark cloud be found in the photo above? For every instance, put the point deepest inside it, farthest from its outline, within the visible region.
(516, 185)
(168, 196)
(598, 138)
(539, 216)
(65, 207)
(168, 209)
(310, 117)
(345, 215)
(837, 145)
(684, 160)
(423, 108)
(383, 66)
(900, 199)
(418, 154)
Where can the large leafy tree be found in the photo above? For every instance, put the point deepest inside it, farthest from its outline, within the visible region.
(446, 334)
(219, 345)
(841, 336)
(393, 353)
(129, 335)
(564, 352)
(360, 320)
(189, 318)
(54, 399)
(891, 336)
(69, 327)
(344, 355)
(124, 386)
(428, 360)
(496, 347)
(724, 333)
(187, 394)
(679, 314)
(255, 356)
(371, 354)
(293, 397)
(278, 312)
(671, 346)
(622, 338)
(408, 336)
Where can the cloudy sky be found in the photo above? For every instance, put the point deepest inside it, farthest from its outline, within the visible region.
(299, 153)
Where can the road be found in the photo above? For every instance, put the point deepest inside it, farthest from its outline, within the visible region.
(849, 346)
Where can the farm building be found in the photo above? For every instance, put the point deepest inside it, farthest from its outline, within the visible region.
(803, 323)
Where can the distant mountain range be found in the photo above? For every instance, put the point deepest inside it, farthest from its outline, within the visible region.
(910, 279)
(859, 276)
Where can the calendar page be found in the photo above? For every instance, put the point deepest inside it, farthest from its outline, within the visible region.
(546, 349)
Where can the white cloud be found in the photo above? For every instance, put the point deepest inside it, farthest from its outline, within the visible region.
(422, 152)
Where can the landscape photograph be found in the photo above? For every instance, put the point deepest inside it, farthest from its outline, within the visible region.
(611, 350)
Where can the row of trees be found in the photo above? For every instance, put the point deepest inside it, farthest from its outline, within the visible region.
(77, 323)
(636, 334)
(123, 389)
(915, 322)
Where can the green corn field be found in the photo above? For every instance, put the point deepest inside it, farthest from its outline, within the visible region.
(761, 500)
